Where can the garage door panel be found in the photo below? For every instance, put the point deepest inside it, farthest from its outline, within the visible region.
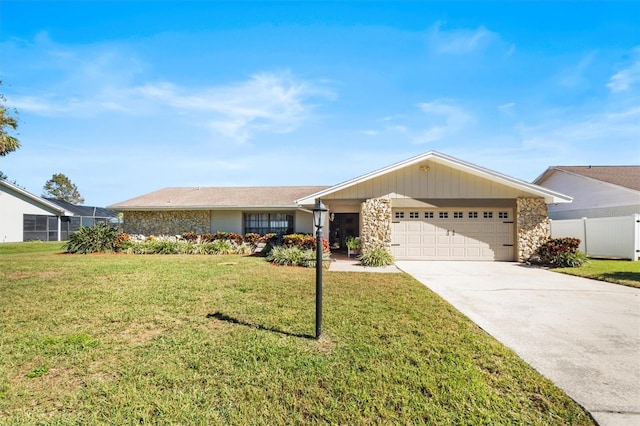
(429, 252)
(474, 252)
(428, 239)
(414, 226)
(414, 239)
(481, 235)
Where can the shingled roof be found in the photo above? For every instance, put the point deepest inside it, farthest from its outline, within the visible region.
(219, 198)
(626, 176)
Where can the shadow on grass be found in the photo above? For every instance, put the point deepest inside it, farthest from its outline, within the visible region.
(226, 318)
(627, 276)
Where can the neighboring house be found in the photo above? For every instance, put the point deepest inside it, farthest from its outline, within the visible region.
(24, 216)
(431, 206)
(597, 191)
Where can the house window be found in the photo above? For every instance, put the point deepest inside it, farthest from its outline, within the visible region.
(428, 215)
(473, 215)
(443, 215)
(399, 215)
(414, 215)
(503, 215)
(487, 215)
(268, 223)
(458, 215)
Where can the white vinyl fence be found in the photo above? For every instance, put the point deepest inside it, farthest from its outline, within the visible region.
(612, 237)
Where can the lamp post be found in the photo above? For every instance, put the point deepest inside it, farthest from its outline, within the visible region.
(319, 216)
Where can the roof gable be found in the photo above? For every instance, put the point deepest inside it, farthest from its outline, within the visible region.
(41, 202)
(422, 162)
(624, 176)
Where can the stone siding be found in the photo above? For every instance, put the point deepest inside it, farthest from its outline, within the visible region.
(376, 224)
(167, 222)
(532, 226)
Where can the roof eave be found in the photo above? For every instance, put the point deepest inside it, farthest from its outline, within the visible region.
(237, 207)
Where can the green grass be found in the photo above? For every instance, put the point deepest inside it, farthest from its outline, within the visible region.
(31, 247)
(624, 272)
(185, 339)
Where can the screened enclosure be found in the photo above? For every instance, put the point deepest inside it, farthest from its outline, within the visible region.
(58, 228)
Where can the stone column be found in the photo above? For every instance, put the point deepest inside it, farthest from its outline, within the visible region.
(376, 224)
(532, 226)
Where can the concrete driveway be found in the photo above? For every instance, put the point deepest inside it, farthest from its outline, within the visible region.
(582, 334)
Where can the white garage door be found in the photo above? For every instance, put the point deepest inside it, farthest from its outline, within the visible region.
(453, 234)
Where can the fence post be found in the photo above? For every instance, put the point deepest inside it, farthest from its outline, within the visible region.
(584, 226)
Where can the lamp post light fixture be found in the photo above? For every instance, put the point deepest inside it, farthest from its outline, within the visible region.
(319, 217)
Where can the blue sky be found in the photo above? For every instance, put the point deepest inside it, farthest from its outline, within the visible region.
(128, 97)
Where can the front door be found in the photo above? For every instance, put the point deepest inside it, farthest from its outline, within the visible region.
(342, 226)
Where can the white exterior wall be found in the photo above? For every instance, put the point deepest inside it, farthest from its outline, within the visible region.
(591, 198)
(12, 208)
(303, 222)
(440, 181)
(226, 221)
(615, 237)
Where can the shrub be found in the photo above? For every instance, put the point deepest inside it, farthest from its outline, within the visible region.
(559, 252)
(164, 247)
(216, 247)
(252, 238)
(236, 239)
(377, 257)
(92, 239)
(286, 256)
(190, 236)
(295, 256)
(243, 249)
(122, 242)
(304, 241)
(572, 260)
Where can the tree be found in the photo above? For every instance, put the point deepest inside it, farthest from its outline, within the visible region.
(8, 123)
(61, 188)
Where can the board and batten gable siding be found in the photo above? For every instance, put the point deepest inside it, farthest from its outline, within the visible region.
(440, 181)
(13, 207)
(591, 198)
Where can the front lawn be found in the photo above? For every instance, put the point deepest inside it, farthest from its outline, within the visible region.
(624, 272)
(192, 339)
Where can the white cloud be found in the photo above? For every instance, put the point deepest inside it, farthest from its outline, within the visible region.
(625, 79)
(507, 108)
(442, 117)
(92, 80)
(575, 76)
(568, 138)
(266, 102)
(462, 41)
(451, 119)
